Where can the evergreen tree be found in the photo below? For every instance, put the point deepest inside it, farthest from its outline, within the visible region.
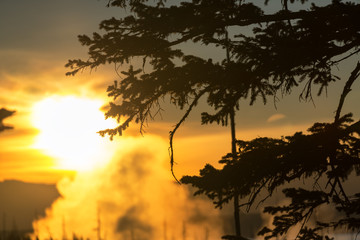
(284, 50)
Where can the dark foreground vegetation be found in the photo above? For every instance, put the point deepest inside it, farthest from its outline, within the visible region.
(15, 234)
(4, 113)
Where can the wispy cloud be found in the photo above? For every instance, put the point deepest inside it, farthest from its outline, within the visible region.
(275, 117)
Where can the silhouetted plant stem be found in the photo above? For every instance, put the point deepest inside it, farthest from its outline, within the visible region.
(165, 230)
(64, 235)
(236, 195)
(184, 231)
(98, 228)
(233, 135)
(237, 215)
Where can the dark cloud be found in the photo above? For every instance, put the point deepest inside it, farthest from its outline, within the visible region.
(21, 203)
(49, 25)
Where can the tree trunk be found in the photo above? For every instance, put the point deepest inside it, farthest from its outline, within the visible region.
(236, 196)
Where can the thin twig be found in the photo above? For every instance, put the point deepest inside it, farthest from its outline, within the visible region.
(306, 219)
(255, 194)
(346, 57)
(172, 133)
(347, 88)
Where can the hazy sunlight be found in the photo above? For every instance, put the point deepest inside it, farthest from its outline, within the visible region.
(68, 127)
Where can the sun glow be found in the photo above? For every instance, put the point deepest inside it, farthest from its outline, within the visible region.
(68, 127)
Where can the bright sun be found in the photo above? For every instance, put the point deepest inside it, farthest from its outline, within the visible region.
(68, 127)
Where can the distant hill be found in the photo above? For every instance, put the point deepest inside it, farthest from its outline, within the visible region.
(21, 203)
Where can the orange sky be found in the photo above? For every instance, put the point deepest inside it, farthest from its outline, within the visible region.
(36, 41)
(130, 177)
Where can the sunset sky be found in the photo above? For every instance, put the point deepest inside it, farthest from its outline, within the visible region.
(38, 37)
(57, 117)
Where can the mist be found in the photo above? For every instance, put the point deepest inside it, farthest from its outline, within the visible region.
(133, 196)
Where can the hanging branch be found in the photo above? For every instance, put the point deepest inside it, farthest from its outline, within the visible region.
(172, 133)
(347, 88)
(344, 58)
